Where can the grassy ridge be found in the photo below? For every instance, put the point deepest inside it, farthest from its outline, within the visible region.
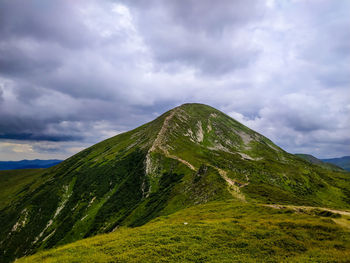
(227, 231)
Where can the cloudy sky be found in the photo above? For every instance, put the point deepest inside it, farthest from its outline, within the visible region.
(75, 72)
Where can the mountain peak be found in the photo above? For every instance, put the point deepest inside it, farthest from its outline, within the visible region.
(198, 128)
(194, 104)
(190, 155)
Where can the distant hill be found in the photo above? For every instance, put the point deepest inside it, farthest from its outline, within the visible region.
(25, 164)
(314, 160)
(343, 162)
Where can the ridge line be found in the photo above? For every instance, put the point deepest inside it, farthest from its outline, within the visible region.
(157, 143)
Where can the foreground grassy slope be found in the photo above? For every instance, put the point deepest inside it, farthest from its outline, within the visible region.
(227, 231)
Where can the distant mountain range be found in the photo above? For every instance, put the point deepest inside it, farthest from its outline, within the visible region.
(25, 164)
(343, 162)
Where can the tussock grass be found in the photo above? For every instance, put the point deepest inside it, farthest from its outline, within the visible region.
(225, 231)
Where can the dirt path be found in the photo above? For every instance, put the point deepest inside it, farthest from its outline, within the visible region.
(234, 188)
(296, 207)
(343, 221)
(159, 143)
(181, 160)
(161, 134)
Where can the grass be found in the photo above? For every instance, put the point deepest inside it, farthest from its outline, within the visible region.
(14, 183)
(225, 231)
(316, 161)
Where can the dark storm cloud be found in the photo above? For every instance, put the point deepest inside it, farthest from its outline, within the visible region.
(59, 74)
(38, 137)
(73, 73)
(16, 61)
(55, 45)
(204, 17)
(1, 94)
(205, 36)
(73, 120)
(32, 129)
(56, 21)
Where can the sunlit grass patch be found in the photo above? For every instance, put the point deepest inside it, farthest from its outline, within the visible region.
(227, 231)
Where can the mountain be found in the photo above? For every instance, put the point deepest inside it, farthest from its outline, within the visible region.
(343, 162)
(190, 155)
(314, 160)
(25, 164)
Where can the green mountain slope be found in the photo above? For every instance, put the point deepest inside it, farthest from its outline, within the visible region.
(14, 184)
(314, 160)
(226, 231)
(343, 162)
(190, 155)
